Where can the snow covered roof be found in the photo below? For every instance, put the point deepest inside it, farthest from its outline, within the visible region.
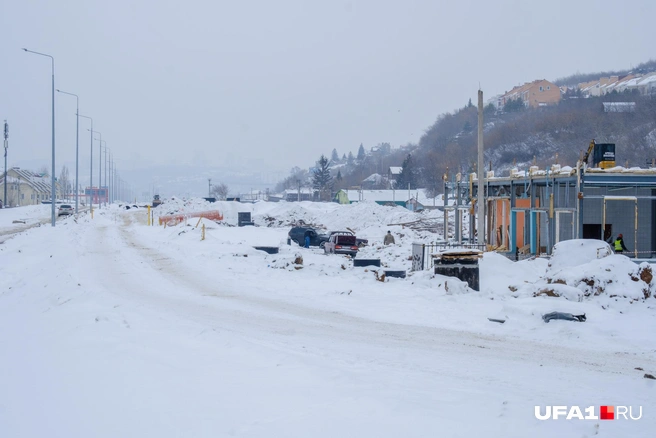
(374, 178)
(395, 170)
(303, 190)
(389, 195)
(37, 182)
(647, 79)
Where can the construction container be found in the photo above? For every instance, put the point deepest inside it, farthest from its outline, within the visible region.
(268, 249)
(395, 274)
(365, 262)
(244, 218)
(604, 155)
(462, 264)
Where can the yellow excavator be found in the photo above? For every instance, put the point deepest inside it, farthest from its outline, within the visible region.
(603, 156)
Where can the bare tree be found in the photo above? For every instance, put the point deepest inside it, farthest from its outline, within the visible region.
(220, 191)
(43, 171)
(65, 186)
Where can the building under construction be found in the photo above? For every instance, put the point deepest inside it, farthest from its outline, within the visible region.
(528, 212)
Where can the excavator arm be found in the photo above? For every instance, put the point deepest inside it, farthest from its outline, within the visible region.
(589, 151)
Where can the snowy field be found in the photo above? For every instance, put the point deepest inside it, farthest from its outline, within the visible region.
(112, 328)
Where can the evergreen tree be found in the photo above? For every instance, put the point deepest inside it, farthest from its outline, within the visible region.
(338, 180)
(334, 157)
(322, 180)
(409, 174)
(514, 105)
(361, 153)
(351, 159)
(344, 158)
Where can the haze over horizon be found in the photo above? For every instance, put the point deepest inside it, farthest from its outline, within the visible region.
(269, 86)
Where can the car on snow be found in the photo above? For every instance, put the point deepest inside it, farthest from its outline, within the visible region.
(317, 237)
(358, 241)
(341, 243)
(65, 210)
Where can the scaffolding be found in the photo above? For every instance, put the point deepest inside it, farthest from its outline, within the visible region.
(529, 211)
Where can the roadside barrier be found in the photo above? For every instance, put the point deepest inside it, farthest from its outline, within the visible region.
(174, 219)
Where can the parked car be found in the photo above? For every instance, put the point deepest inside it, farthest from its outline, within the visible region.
(358, 241)
(65, 210)
(317, 237)
(341, 243)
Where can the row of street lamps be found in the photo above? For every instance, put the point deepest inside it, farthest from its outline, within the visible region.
(110, 195)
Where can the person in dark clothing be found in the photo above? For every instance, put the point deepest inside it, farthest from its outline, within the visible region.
(388, 239)
(608, 237)
(618, 245)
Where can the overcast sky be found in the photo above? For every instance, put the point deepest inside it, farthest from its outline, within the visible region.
(273, 84)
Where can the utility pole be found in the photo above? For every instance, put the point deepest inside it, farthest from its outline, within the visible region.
(90, 166)
(53, 186)
(106, 186)
(480, 169)
(4, 200)
(77, 145)
(209, 187)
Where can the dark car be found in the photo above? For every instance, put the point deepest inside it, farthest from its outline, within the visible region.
(341, 243)
(358, 241)
(317, 237)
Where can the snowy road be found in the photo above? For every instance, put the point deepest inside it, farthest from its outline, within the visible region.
(126, 338)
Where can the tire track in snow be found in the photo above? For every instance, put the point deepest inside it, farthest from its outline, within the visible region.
(269, 321)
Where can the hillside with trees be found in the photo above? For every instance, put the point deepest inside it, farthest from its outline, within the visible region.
(577, 78)
(547, 135)
(514, 135)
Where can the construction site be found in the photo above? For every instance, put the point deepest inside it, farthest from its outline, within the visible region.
(529, 211)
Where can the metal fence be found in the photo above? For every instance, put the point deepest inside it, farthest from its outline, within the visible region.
(422, 253)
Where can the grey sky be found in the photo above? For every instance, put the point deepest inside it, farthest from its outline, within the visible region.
(275, 84)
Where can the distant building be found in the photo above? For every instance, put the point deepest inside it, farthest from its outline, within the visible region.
(645, 85)
(393, 174)
(374, 181)
(533, 94)
(26, 188)
(413, 200)
(619, 107)
(292, 195)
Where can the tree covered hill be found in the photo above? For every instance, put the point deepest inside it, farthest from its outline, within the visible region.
(517, 136)
(577, 78)
(545, 135)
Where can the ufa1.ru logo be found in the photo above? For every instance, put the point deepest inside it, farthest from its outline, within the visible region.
(576, 413)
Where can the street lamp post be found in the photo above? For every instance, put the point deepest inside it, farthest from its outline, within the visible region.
(77, 145)
(105, 189)
(53, 188)
(106, 175)
(112, 177)
(99, 167)
(209, 187)
(111, 192)
(4, 200)
(90, 166)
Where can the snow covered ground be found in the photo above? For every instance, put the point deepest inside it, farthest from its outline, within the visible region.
(111, 328)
